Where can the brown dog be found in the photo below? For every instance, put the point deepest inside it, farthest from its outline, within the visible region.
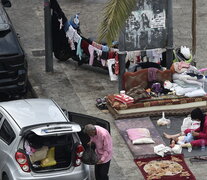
(141, 77)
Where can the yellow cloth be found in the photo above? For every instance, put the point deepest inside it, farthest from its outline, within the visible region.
(50, 158)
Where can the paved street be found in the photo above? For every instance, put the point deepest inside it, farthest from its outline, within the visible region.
(76, 88)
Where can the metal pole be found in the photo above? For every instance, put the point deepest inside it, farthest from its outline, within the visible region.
(48, 37)
(169, 52)
(121, 56)
(193, 27)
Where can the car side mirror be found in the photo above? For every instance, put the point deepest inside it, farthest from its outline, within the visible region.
(6, 3)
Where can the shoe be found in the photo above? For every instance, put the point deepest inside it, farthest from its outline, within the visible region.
(101, 103)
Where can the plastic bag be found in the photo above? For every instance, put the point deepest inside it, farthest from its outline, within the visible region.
(186, 123)
(89, 156)
(163, 121)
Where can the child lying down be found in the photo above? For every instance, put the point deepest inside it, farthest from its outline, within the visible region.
(183, 140)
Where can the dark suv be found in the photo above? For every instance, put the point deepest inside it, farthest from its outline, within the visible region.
(13, 65)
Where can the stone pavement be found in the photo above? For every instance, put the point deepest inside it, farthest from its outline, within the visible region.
(76, 88)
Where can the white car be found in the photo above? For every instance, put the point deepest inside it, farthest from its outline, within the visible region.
(38, 142)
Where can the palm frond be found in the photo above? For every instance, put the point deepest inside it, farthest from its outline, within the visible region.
(115, 14)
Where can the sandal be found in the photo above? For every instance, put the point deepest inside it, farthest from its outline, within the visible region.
(101, 103)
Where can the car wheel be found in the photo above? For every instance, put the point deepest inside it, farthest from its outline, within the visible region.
(5, 177)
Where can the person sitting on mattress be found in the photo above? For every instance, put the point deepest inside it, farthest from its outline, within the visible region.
(199, 134)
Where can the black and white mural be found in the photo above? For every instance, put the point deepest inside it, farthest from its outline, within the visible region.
(146, 26)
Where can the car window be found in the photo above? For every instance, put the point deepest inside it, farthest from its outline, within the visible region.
(6, 133)
(1, 116)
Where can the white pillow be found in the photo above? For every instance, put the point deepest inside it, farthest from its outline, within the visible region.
(143, 141)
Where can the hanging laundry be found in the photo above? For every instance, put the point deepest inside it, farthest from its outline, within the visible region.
(61, 23)
(91, 50)
(72, 36)
(132, 56)
(87, 40)
(79, 51)
(60, 45)
(157, 55)
(113, 49)
(96, 45)
(149, 54)
(116, 64)
(111, 54)
(111, 65)
(104, 55)
(105, 48)
(84, 46)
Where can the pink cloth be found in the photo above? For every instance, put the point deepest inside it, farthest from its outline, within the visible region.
(202, 135)
(91, 50)
(103, 142)
(183, 64)
(96, 45)
(137, 133)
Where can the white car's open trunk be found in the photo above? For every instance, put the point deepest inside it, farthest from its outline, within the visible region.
(51, 152)
(50, 146)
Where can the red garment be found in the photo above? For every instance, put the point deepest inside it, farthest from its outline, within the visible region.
(116, 64)
(84, 46)
(124, 98)
(111, 54)
(202, 135)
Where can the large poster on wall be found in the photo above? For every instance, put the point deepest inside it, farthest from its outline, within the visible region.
(146, 26)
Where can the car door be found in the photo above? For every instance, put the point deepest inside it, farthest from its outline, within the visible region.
(82, 120)
(7, 136)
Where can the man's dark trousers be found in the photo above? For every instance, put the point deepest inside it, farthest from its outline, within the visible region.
(101, 171)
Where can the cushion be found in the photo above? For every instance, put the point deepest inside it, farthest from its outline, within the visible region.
(124, 98)
(139, 136)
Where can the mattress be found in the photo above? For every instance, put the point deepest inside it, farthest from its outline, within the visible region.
(174, 105)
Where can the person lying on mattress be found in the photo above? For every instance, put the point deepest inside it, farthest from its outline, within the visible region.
(192, 138)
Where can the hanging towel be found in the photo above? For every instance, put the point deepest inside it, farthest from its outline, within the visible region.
(79, 51)
(112, 75)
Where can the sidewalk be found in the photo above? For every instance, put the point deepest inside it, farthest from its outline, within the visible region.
(76, 88)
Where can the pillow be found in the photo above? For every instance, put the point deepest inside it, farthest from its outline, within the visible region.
(139, 136)
(143, 141)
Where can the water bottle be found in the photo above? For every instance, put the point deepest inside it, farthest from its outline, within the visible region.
(203, 146)
(190, 148)
(168, 123)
